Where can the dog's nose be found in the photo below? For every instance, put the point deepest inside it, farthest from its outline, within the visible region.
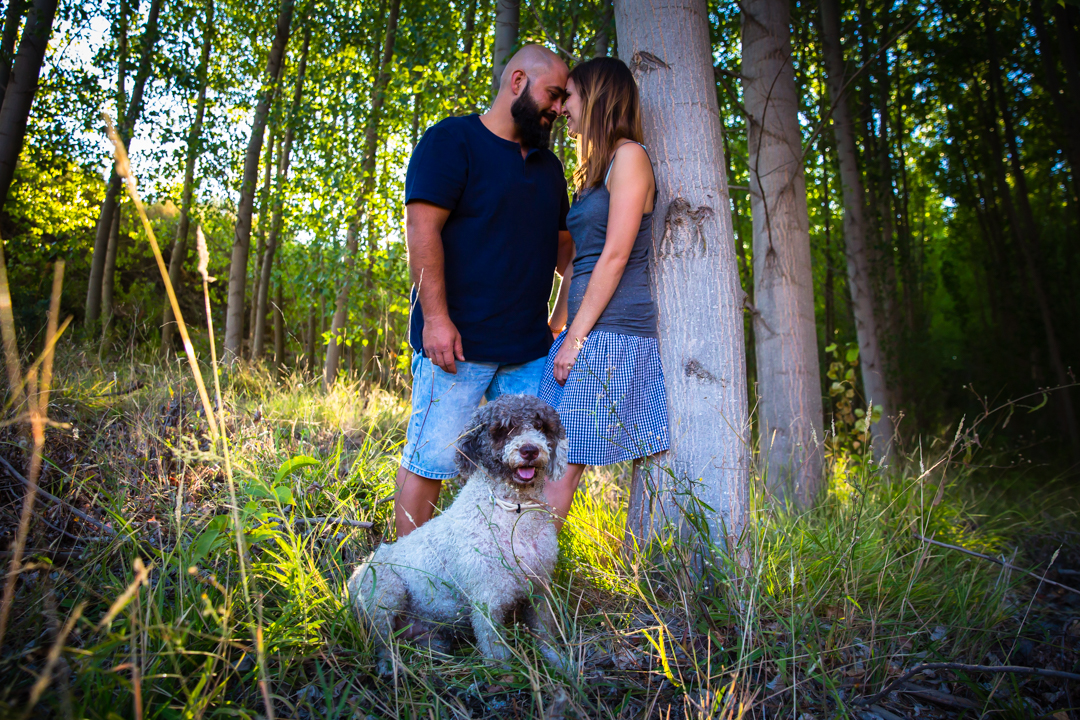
(529, 452)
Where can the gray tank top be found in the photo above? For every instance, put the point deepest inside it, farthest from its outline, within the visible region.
(631, 310)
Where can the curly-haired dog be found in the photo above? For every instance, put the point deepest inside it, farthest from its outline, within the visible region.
(483, 560)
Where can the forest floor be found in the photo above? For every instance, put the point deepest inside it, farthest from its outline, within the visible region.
(143, 611)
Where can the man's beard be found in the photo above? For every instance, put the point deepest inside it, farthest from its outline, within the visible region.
(529, 120)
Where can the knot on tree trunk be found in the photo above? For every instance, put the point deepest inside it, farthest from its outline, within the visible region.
(683, 233)
(643, 62)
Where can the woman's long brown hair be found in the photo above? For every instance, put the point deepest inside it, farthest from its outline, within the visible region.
(610, 111)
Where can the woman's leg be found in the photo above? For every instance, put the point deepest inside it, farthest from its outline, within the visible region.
(560, 495)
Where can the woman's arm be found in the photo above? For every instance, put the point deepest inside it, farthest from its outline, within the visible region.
(630, 187)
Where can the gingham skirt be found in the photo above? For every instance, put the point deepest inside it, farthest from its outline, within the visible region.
(613, 406)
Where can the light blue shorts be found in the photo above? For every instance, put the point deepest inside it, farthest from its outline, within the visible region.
(442, 405)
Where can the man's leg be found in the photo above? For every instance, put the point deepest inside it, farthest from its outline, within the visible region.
(414, 501)
(442, 404)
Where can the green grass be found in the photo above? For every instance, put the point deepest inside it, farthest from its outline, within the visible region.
(825, 606)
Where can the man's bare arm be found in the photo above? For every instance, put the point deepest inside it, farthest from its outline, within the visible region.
(566, 252)
(423, 236)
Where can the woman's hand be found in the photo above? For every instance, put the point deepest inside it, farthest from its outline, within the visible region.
(566, 357)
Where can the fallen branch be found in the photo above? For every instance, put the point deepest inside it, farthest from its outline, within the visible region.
(48, 496)
(1013, 669)
(992, 559)
(362, 524)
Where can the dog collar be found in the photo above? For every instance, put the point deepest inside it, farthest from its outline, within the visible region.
(515, 507)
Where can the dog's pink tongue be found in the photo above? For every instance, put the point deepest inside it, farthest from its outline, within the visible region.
(526, 473)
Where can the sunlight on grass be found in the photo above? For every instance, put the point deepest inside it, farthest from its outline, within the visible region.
(827, 605)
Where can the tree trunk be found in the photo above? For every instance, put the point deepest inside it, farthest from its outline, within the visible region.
(108, 279)
(265, 216)
(371, 145)
(1069, 127)
(279, 324)
(789, 386)
(830, 281)
(22, 88)
(309, 346)
(871, 358)
(507, 20)
(179, 249)
(602, 46)
(694, 274)
(12, 20)
(278, 208)
(1026, 234)
(112, 191)
(234, 313)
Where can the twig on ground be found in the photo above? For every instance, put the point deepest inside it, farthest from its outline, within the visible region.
(52, 498)
(386, 499)
(363, 524)
(992, 559)
(1014, 669)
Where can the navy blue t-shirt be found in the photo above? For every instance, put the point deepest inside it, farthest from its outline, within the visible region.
(500, 242)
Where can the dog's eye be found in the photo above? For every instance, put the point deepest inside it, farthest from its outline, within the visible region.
(498, 432)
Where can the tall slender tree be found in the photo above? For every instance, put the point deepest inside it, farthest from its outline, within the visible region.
(234, 313)
(19, 96)
(126, 125)
(179, 248)
(507, 21)
(12, 18)
(367, 187)
(1026, 235)
(789, 406)
(263, 298)
(871, 358)
(694, 272)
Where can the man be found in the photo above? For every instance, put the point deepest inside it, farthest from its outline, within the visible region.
(485, 223)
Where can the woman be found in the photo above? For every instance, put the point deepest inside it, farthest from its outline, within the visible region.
(603, 372)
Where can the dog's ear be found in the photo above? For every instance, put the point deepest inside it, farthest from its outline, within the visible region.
(558, 464)
(552, 423)
(470, 444)
(556, 435)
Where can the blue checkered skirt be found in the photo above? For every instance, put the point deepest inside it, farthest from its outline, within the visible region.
(613, 406)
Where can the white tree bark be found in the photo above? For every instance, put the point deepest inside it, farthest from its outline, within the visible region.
(694, 273)
(871, 360)
(789, 386)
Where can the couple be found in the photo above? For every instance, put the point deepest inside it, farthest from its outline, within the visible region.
(487, 220)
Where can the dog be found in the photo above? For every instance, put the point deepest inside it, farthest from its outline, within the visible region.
(488, 559)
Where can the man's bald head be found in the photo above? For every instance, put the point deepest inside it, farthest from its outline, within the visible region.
(531, 93)
(535, 61)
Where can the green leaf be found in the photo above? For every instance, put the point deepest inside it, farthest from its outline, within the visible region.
(284, 495)
(852, 354)
(293, 464)
(207, 541)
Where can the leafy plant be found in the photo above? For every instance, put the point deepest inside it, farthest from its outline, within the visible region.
(850, 431)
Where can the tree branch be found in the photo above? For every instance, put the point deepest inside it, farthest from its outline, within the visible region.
(995, 560)
(1015, 669)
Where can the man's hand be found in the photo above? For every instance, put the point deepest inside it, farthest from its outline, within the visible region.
(442, 343)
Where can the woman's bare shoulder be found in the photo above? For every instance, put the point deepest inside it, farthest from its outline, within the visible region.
(630, 161)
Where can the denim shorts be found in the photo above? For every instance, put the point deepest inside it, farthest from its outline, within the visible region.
(442, 405)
